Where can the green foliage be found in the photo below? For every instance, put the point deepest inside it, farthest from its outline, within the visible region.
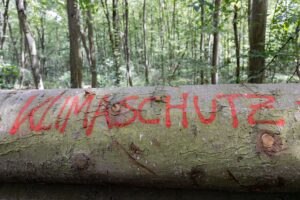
(172, 37)
(89, 5)
(8, 76)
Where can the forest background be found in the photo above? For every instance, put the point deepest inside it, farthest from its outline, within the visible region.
(104, 43)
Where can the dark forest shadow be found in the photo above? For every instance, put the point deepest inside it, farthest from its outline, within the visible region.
(88, 192)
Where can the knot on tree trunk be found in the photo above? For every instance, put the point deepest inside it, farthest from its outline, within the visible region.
(268, 143)
(80, 162)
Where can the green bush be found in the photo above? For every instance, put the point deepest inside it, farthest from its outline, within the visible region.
(8, 76)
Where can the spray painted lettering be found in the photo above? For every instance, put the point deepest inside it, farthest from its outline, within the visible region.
(72, 106)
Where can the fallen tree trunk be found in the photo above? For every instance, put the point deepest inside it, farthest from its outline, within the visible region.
(236, 137)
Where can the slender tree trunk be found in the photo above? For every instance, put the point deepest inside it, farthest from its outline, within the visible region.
(22, 49)
(173, 35)
(257, 34)
(249, 27)
(249, 18)
(116, 34)
(202, 41)
(297, 49)
(193, 51)
(14, 43)
(215, 54)
(84, 44)
(151, 28)
(174, 57)
(162, 42)
(92, 58)
(41, 34)
(90, 47)
(4, 24)
(145, 44)
(126, 45)
(243, 39)
(74, 34)
(107, 15)
(237, 44)
(136, 47)
(35, 67)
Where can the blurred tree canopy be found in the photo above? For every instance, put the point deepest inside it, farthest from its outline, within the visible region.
(159, 42)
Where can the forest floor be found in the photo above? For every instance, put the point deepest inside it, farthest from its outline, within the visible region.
(93, 192)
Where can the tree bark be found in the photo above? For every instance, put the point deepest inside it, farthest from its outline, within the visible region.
(172, 47)
(202, 42)
(126, 45)
(116, 44)
(41, 34)
(90, 47)
(90, 21)
(257, 32)
(237, 137)
(162, 41)
(4, 24)
(145, 44)
(215, 54)
(35, 67)
(14, 44)
(74, 39)
(297, 49)
(237, 45)
(107, 15)
(249, 18)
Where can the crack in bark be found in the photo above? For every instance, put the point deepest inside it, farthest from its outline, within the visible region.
(233, 177)
(20, 148)
(17, 139)
(132, 159)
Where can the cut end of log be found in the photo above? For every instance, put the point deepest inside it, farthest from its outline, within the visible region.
(116, 108)
(268, 143)
(160, 99)
(267, 140)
